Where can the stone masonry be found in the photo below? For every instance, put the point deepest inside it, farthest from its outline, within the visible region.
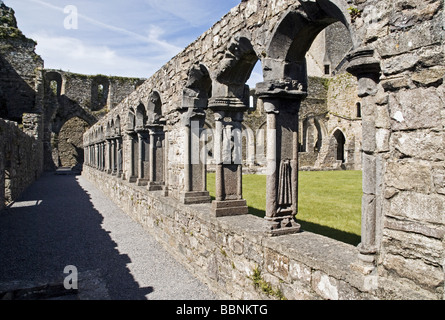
(148, 148)
(52, 106)
(397, 58)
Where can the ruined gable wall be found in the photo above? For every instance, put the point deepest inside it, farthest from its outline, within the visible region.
(87, 98)
(19, 65)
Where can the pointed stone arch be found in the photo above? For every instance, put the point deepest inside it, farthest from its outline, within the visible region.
(70, 144)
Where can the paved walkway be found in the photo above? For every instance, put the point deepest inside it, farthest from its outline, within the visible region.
(64, 220)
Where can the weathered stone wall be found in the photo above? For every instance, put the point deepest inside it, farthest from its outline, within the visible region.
(18, 66)
(232, 254)
(238, 259)
(21, 156)
(83, 99)
(398, 59)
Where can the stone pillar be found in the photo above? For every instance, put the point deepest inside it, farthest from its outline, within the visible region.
(195, 170)
(108, 157)
(131, 170)
(104, 152)
(101, 156)
(142, 180)
(156, 161)
(366, 68)
(119, 157)
(229, 113)
(282, 103)
(96, 156)
(113, 157)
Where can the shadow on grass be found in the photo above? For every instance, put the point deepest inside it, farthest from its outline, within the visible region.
(335, 234)
(329, 232)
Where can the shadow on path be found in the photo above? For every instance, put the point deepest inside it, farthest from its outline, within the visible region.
(55, 225)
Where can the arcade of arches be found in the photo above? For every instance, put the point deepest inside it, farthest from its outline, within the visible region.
(154, 167)
(151, 141)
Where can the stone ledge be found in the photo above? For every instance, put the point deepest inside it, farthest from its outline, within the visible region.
(219, 249)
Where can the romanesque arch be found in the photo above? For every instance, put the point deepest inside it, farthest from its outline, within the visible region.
(68, 151)
(284, 87)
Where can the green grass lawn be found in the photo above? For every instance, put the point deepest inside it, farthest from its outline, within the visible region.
(329, 202)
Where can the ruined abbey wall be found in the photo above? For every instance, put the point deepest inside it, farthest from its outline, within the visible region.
(72, 103)
(398, 60)
(54, 107)
(21, 156)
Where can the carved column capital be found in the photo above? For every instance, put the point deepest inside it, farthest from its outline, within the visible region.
(227, 104)
(364, 65)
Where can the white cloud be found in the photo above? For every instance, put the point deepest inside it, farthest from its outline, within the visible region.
(133, 38)
(73, 55)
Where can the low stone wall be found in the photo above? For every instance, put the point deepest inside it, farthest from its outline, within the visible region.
(20, 157)
(235, 256)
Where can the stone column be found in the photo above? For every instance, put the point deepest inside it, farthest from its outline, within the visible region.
(101, 156)
(282, 103)
(194, 159)
(104, 155)
(96, 156)
(366, 68)
(119, 157)
(156, 161)
(108, 156)
(142, 180)
(131, 170)
(229, 113)
(113, 157)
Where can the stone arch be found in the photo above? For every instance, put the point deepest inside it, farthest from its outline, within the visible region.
(141, 116)
(285, 86)
(235, 70)
(154, 108)
(70, 144)
(52, 78)
(131, 120)
(295, 33)
(110, 128)
(340, 145)
(198, 85)
(117, 126)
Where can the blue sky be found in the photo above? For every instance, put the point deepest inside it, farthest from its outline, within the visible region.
(123, 38)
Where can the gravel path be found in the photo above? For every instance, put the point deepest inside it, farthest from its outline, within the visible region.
(64, 220)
